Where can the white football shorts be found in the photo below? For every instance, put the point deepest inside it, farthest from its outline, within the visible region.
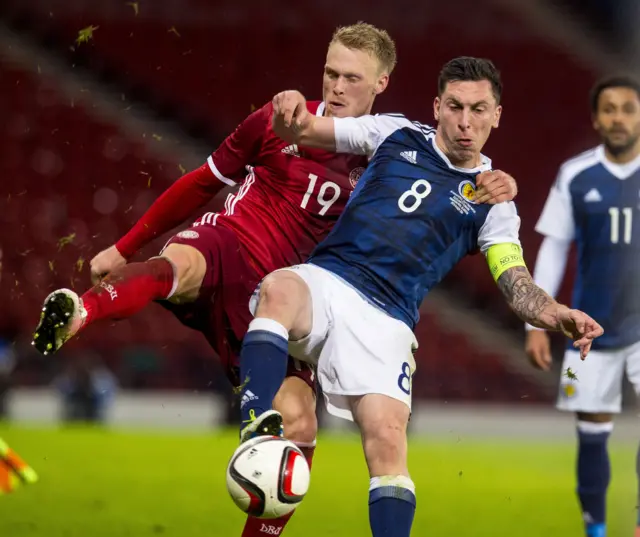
(598, 386)
(357, 347)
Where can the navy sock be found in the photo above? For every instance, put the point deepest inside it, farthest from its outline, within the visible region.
(263, 366)
(594, 474)
(392, 504)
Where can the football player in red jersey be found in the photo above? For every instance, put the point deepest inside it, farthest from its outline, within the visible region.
(288, 200)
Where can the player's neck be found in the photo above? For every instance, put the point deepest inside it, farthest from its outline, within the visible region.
(624, 157)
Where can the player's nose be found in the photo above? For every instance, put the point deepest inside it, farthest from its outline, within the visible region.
(464, 122)
(339, 87)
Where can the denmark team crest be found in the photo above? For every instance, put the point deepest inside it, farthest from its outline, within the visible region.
(355, 175)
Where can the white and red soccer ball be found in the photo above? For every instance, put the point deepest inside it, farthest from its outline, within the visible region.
(268, 477)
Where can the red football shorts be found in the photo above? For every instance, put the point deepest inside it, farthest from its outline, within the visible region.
(221, 311)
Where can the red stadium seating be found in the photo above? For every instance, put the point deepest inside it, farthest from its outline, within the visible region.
(74, 185)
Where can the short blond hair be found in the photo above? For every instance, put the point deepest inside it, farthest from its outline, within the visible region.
(370, 39)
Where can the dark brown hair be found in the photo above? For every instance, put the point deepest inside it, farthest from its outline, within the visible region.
(616, 81)
(472, 69)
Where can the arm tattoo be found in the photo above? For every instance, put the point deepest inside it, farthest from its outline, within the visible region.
(526, 299)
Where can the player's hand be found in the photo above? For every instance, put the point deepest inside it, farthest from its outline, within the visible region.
(538, 348)
(105, 262)
(290, 115)
(578, 326)
(495, 186)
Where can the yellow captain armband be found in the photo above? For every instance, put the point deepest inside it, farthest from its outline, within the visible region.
(504, 256)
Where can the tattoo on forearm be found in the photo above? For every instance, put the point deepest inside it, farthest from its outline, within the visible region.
(526, 299)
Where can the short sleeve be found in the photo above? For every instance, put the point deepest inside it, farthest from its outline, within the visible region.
(502, 225)
(363, 135)
(556, 219)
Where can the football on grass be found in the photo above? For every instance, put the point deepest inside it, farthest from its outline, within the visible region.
(267, 477)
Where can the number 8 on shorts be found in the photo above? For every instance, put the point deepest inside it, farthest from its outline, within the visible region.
(406, 377)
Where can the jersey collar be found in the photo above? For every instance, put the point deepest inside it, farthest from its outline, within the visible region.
(320, 110)
(621, 171)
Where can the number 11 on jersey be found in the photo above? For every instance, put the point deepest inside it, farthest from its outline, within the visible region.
(323, 198)
(627, 217)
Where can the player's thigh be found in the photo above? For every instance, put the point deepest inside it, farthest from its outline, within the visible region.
(382, 421)
(199, 255)
(296, 401)
(312, 318)
(190, 268)
(592, 386)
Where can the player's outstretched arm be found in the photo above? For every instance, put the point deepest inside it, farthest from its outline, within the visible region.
(534, 306)
(293, 122)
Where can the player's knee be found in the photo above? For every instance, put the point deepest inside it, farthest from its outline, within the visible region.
(297, 403)
(284, 296)
(190, 268)
(282, 289)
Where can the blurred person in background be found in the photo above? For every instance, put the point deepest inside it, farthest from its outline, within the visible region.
(594, 203)
(87, 389)
(7, 364)
(286, 205)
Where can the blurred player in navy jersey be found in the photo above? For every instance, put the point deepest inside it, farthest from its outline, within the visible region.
(351, 309)
(595, 202)
(290, 197)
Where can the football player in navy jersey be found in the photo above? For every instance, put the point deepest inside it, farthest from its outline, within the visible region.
(594, 203)
(352, 307)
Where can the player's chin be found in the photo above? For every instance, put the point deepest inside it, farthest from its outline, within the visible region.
(619, 144)
(465, 152)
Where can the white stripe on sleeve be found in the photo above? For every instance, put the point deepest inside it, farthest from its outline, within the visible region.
(217, 173)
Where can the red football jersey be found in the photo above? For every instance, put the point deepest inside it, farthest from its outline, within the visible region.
(290, 197)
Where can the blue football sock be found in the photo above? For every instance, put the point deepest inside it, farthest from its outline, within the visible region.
(263, 366)
(392, 504)
(594, 474)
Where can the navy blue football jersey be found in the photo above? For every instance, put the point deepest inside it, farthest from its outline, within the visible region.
(411, 217)
(595, 203)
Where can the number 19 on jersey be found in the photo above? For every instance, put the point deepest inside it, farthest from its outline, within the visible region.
(327, 195)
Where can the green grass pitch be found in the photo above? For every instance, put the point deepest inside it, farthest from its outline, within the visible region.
(96, 483)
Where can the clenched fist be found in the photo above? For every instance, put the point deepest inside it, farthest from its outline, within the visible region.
(105, 262)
